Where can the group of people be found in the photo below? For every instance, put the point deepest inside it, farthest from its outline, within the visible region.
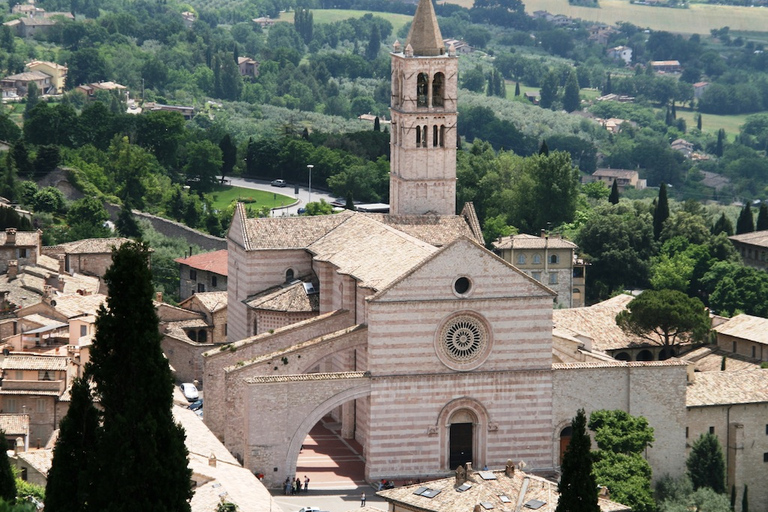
(294, 486)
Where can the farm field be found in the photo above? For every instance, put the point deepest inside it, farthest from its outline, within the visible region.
(223, 195)
(711, 123)
(698, 19)
(331, 15)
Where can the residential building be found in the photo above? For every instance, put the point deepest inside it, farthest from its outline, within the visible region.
(213, 307)
(621, 52)
(666, 66)
(33, 465)
(549, 260)
(248, 67)
(21, 247)
(90, 256)
(459, 46)
(57, 72)
(745, 335)
(698, 89)
(204, 272)
(90, 89)
(624, 178)
(683, 146)
(20, 82)
(753, 248)
(187, 112)
(264, 21)
(189, 18)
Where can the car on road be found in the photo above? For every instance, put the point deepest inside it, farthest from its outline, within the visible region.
(310, 509)
(190, 391)
(279, 183)
(196, 405)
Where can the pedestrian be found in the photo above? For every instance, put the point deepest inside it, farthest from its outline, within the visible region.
(362, 500)
(287, 485)
(297, 486)
(306, 483)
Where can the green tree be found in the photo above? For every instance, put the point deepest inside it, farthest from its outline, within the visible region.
(228, 156)
(318, 208)
(33, 98)
(614, 197)
(706, 464)
(666, 316)
(548, 91)
(140, 456)
(577, 486)
(7, 479)
(69, 479)
(762, 218)
(126, 223)
(86, 218)
(745, 223)
(85, 66)
(723, 225)
(619, 463)
(203, 164)
(571, 99)
(720, 142)
(661, 214)
(517, 89)
(374, 43)
(20, 155)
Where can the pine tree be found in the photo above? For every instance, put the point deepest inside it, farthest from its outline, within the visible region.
(577, 487)
(698, 122)
(517, 89)
(377, 124)
(69, 478)
(720, 142)
(614, 197)
(745, 499)
(374, 43)
(706, 464)
(544, 149)
(745, 223)
(141, 458)
(7, 479)
(571, 100)
(661, 213)
(608, 87)
(723, 225)
(762, 218)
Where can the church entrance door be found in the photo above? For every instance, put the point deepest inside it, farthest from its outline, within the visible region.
(461, 444)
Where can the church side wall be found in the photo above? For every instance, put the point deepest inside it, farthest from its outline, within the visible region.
(654, 391)
(411, 414)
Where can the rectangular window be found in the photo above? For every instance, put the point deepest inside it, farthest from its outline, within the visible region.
(578, 272)
(44, 375)
(753, 352)
(734, 347)
(200, 287)
(22, 253)
(766, 430)
(765, 457)
(11, 405)
(552, 278)
(225, 333)
(193, 274)
(40, 405)
(83, 330)
(537, 276)
(711, 430)
(19, 374)
(214, 281)
(521, 259)
(686, 432)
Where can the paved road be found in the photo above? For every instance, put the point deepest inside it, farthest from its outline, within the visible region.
(332, 501)
(303, 196)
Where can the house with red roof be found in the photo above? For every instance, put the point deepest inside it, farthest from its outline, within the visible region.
(205, 272)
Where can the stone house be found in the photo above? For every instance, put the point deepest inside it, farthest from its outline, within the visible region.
(33, 465)
(753, 248)
(57, 73)
(624, 178)
(248, 67)
(549, 260)
(213, 307)
(22, 247)
(16, 428)
(20, 82)
(745, 335)
(91, 256)
(698, 89)
(666, 66)
(204, 272)
(621, 53)
(683, 146)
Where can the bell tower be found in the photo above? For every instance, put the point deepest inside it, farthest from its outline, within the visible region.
(424, 111)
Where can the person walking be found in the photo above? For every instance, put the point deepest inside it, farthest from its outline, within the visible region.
(306, 483)
(297, 486)
(287, 485)
(362, 500)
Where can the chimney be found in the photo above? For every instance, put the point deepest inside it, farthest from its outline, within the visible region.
(212, 460)
(158, 296)
(603, 492)
(13, 269)
(509, 470)
(461, 475)
(10, 236)
(469, 469)
(62, 264)
(543, 233)
(60, 283)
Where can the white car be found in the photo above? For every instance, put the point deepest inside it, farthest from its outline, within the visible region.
(309, 509)
(190, 391)
(278, 183)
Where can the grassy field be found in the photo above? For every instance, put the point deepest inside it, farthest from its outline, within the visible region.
(223, 195)
(698, 19)
(331, 15)
(711, 123)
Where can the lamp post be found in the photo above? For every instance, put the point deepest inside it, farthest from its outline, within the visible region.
(310, 166)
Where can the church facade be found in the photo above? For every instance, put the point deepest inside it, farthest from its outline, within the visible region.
(429, 349)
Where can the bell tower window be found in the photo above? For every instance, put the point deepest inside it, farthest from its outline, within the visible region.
(438, 90)
(418, 136)
(424, 136)
(422, 90)
(442, 135)
(434, 136)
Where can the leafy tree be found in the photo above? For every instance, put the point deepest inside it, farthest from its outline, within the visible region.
(474, 79)
(577, 486)
(614, 197)
(49, 199)
(706, 464)
(141, 459)
(745, 223)
(126, 223)
(571, 100)
(661, 214)
(596, 190)
(762, 218)
(702, 499)
(228, 156)
(619, 464)
(548, 91)
(7, 480)
(86, 218)
(318, 208)
(85, 66)
(667, 316)
(69, 479)
(723, 225)
(9, 131)
(204, 162)
(33, 98)
(161, 132)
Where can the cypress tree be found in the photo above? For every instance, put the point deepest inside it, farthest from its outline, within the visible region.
(723, 225)
(720, 142)
(706, 464)
(745, 499)
(698, 122)
(722, 363)
(7, 479)
(350, 204)
(674, 110)
(571, 99)
(126, 223)
(745, 223)
(577, 487)
(544, 149)
(374, 43)
(141, 459)
(68, 485)
(608, 87)
(228, 156)
(235, 53)
(762, 218)
(517, 88)
(661, 213)
(614, 197)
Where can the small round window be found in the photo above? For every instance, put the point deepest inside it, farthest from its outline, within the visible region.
(462, 285)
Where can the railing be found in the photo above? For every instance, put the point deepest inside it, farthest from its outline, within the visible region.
(33, 385)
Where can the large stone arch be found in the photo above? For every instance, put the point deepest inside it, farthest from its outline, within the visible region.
(483, 424)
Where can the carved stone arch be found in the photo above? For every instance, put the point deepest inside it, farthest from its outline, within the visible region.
(438, 90)
(300, 433)
(454, 410)
(422, 90)
(556, 432)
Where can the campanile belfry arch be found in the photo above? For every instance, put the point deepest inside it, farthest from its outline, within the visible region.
(424, 112)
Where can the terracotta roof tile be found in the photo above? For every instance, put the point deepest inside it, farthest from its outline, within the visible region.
(212, 301)
(215, 262)
(292, 299)
(437, 230)
(752, 328)
(721, 388)
(710, 359)
(533, 242)
(307, 377)
(23, 238)
(76, 305)
(90, 246)
(290, 232)
(759, 238)
(14, 424)
(41, 460)
(50, 363)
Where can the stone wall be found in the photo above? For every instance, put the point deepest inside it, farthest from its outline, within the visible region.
(186, 358)
(173, 229)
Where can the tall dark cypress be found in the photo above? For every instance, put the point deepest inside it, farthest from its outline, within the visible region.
(745, 499)
(614, 197)
(723, 225)
(69, 479)
(141, 459)
(762, 218)
(577, 487)
(662, 211)
(720, 142)
(745, 223)
(7, 480)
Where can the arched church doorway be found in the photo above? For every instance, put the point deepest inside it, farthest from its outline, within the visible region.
(565, 440)
(461, 438)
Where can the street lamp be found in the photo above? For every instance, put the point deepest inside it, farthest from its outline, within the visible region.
(310, 166)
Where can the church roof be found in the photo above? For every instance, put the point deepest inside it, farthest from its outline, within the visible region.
(292, 299)
(722, 388)
(437, 230)
(424, 36)
(289, 232)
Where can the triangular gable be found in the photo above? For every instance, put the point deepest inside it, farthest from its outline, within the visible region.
(237, 232)
(491, 277)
